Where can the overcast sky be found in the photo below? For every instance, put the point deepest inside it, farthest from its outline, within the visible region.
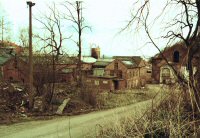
(106, 18)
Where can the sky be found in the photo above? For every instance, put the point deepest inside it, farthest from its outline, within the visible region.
(105, 17)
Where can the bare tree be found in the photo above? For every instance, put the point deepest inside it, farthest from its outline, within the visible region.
(52, 26)
(76, 17)
(23, 37)
(53, 41)
(184, 26)
(44, 76)
(5, 29)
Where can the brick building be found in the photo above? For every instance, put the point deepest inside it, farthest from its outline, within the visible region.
(176, 56)
(121, 73)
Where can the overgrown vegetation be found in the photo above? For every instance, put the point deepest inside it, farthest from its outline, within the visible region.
(110, 100)
(173, 117)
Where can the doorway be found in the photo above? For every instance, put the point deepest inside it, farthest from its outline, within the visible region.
(116, 85)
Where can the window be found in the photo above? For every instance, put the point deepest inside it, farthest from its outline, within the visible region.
(105, 82)
(148, 71)
(112, 73)
(166, 72)
(136, 73)
(176, 56)
(116, 65)
(119, 74)
(88, 80)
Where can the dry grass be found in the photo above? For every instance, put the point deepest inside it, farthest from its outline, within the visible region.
(171, 118)
(108, 100)
(111, 100)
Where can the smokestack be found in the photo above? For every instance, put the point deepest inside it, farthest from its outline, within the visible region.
(95, 53)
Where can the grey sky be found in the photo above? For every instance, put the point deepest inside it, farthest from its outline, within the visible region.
(106, 17)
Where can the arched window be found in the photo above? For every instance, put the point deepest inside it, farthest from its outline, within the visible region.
(176, 56)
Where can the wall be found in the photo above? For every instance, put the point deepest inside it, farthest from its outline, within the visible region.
(158, 61)
(111, 68)
(13, 72)
(99, 84)
(98, 72)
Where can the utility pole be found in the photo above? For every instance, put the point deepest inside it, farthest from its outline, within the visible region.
(30, 4)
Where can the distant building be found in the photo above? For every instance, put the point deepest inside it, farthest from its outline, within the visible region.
(100, 65)
(120, 72)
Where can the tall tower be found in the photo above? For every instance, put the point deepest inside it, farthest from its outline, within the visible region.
(95, 52)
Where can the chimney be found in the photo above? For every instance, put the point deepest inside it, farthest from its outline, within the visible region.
(95, 53)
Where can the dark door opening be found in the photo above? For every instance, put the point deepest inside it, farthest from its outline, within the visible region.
(116, 85)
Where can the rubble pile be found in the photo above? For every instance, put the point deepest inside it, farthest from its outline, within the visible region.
(12, 97)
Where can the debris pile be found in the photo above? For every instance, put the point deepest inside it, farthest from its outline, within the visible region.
(12, 97)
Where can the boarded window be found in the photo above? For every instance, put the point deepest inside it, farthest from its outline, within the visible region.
(96, 82)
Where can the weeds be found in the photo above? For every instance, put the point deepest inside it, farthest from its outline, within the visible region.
(171, 117)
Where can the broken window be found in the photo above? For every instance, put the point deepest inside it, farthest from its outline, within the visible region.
(176, 56)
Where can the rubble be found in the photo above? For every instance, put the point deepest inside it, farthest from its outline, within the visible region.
(62, 106)
(11, 97)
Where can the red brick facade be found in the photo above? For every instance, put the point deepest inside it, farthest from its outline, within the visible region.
(176, 57)
(14, 70)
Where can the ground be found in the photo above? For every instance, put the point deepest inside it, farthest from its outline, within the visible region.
(77, 106)
(76, 126)
(84, 125)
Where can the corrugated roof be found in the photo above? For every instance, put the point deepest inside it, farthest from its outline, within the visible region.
(134, 59)
(128, 62)
(106, 59)
(101, 64)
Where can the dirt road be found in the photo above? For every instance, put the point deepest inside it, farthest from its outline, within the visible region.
(73, 127)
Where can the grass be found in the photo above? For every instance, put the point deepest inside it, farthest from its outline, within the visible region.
(121, 98)
(171, 118)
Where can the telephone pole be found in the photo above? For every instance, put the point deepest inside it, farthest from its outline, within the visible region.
(30, 4)
(2, 25)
